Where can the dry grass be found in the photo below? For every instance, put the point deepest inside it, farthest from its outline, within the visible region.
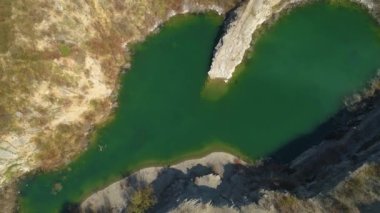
(287, 204)
(5, 25)
(47, 45)
(361, 187)
(53, 150)
(8, 197)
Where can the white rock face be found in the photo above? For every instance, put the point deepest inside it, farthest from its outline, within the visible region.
(211, 181)
(233, 45)
(118, 194)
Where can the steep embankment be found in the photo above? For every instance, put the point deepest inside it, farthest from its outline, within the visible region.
(339, 175)
(231, 48)
(59, 69)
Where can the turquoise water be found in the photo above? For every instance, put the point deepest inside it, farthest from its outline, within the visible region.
(296, 78)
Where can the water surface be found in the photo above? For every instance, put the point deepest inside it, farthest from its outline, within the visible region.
(299, 73)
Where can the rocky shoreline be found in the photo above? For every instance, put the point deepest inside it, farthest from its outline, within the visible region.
(339, 174)
(249, 18)
(60, 71)
(54, 125)
(61, 121)
(95, 48)
(205, 172)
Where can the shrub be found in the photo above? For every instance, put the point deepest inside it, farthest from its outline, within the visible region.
(64, 49)
(141, 200)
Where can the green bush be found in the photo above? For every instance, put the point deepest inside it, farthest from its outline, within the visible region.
(141, 200)
(64, 49)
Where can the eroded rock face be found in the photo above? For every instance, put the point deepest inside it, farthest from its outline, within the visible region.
(59, 68)
(230, 51)
(173, 184)
(59, 65)
(339, 175)
(231, 48)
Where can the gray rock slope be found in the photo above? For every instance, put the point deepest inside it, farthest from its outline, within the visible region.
(340, 174)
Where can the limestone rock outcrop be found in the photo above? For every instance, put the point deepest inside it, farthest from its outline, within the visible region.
(341, 174)
(249, 17)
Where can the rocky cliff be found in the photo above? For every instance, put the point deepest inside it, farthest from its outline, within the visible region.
(248, 19)
(341, 174)
(59, 67)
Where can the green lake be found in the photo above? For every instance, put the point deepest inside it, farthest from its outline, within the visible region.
(297, 77)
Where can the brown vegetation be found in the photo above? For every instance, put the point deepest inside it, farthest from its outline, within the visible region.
(141, 200)
(48, 43)
(60, 145)
(8, 196)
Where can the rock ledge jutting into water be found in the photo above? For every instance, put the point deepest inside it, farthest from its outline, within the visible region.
(231, 48)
